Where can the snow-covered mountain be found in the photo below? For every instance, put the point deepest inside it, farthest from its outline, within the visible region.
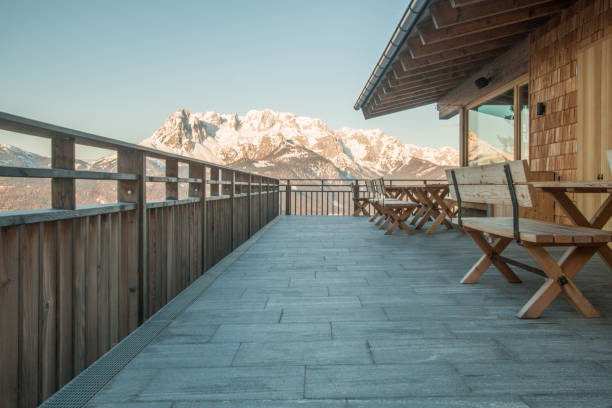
(287, 145)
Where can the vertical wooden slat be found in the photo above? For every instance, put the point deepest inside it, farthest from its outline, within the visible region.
(132, 256)
(63, 189)
(79, 293)
(91, 285)
(152, 253)
(131, 161)
(9, 316)
(48, 310)
(65, 242)
(103, 285)
(170, 259)
(124, 274)
(162, 232)
(30, 295)
(113, 285)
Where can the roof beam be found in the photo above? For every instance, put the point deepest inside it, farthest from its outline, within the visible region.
(432, 81)
(400, 73)
(443, 14)
(430, 34)
(408, 61)
(463, 3)
(370, 113)
(419, 50)
(415, 95)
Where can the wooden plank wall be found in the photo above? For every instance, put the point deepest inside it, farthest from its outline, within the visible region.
(70, 290)
(67, 294)
(553, 52)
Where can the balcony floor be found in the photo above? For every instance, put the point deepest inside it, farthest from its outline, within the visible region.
(330, 312)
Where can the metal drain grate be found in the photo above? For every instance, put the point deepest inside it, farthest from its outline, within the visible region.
(83, 387)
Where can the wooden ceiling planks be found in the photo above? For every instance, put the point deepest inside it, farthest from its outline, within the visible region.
(454, 40)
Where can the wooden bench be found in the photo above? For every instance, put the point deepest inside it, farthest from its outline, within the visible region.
(507, 184)
(392, 212)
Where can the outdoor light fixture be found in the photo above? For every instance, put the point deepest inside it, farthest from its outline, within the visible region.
(482, 82)
(541, 108)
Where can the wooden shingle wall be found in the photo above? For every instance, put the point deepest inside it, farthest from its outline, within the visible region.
(552, 79)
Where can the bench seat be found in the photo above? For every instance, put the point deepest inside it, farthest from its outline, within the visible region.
(537, 232)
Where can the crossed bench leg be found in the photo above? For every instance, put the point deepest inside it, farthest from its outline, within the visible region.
(559, 275)
(559, 280)
(360, 206)
(399, 216)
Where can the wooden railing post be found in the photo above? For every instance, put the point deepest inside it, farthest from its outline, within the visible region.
(355, 195)
(288, 198)
(198, 190)
(249, 201)
(214, 176)
(171, 187)
(63, 190)
(233, 208)
(134, 191)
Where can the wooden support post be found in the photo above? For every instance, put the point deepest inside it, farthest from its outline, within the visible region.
(134, 191)
(288, 198)
(171, 187)
(198, 190)
(214, 176)
(233, 209)
(63, 190)
(355, 195)
(249, 206)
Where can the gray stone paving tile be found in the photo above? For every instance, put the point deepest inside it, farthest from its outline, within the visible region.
(291, 301)
(303, 353)
(231, 383)
(268, 333)
(406, 351)
(447, 312)
(441, 402)
(327, 281)
(242, 282)
(558, 348)
(535, 378)
(562, 400)
(404, 300)
(237, 304)
(132, 405)
(258, 293)
(124, 386)
(229, 316)
(336, 313)
(186, 332)
(186, 355)
(264, 404)
(389, 330)
(349, 381)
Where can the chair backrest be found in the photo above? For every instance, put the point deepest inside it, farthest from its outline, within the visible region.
(381, 186)
(369, 188)
(489, 183)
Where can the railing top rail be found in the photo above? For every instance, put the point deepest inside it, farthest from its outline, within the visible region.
(19, 124)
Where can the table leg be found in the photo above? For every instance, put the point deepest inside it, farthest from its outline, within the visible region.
(600, 218)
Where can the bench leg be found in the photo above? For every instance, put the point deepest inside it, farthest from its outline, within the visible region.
(417, 215)
(399, 219)
(487, 259)
(441, 217)
(559, 280)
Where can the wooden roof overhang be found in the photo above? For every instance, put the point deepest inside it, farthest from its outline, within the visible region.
(446, 44)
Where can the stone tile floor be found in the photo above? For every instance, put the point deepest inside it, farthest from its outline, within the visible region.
(330, 312)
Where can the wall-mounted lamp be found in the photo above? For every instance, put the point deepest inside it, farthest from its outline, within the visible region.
(540, 108)
(482, 82)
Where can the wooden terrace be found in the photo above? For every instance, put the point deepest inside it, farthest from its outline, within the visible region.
(330, 312)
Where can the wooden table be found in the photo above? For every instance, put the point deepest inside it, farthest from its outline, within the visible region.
(433, 204)
(559, 191)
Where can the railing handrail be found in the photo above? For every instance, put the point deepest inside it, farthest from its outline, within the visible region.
(19, 124)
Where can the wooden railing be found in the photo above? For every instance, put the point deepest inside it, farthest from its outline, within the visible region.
(75, 280)
(328, 196)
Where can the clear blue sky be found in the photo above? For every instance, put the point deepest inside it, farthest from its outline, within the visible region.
(119, 68)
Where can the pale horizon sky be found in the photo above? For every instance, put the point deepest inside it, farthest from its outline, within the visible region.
(119, 69)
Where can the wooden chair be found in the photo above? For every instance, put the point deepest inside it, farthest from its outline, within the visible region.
(360, 202)
(394, 212)
(507, 184)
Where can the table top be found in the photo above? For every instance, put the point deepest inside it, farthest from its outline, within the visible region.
(412, 186)
(596, 186)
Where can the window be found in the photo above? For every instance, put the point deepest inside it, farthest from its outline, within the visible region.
(491, 130)
(494, 132)
(523, 102)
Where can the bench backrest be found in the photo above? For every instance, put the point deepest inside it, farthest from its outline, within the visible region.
(488, 183)
(370, 188)
(380, 184)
